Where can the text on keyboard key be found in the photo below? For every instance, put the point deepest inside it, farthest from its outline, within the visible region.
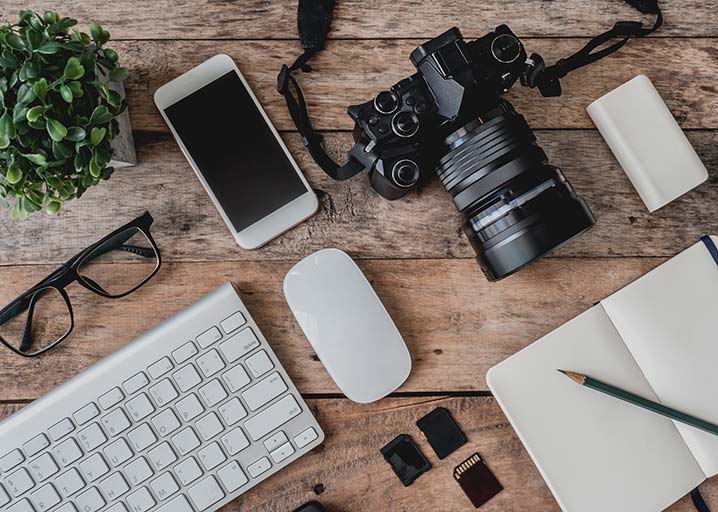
(232, 411)
(69, 482)
(206, 493)
(185, 352)
(259, 363)
(210, 363)
(142, 437)
(43, 467)
(10, 460)
(90, 501)
(114, 486)
(275, 441)
(36, 445)
(188, 471)
(185, 441)
(212, 393)
(111, 398)
(164, 486)
(86, 413)
(264, 391)
(138, 471)
(45, 498)
(158, 369)
(141, 500)
(209, 426)
(186, 378)
(166, 422)
(257, 468)
(282, 453)
(240, 344)
(135, 383)
(116, 422)
(305, 437)
(179, 504)
(232, 476)
(140, 407)
(233, 322)
(163, 392)
(162, 456)
(189, 407)
(208, 337)
(272, 417)
(91, 437)
(61, 429)
(211, 456)
(67, 452)
(236, 378)
(94, 467)
(19, 482)
(235, 441)
(118, 452)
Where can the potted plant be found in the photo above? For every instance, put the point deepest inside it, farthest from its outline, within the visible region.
(59, 111)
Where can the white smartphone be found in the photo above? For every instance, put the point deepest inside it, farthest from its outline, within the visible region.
(235, 151)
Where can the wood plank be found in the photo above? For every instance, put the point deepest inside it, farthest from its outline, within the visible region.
(424, 224)
(455, 323)
(350, 72)
(262, 19)
(348, 473)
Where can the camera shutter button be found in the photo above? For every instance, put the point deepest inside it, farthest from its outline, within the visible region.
(421, 107)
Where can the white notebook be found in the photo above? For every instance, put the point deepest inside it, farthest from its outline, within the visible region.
(657, 338)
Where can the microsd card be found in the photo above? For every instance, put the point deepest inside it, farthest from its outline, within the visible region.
(477, 481)
(441, 431)
(405, 459)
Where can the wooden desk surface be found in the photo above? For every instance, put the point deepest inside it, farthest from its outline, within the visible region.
(456, 324)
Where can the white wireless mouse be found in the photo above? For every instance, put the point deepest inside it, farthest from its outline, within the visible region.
(347, 325)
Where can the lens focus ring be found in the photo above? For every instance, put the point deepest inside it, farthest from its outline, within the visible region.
(405, 124)
(405, 173)
(386, 102)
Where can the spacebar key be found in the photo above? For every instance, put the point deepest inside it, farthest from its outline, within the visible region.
(273, 416)
(176, 505)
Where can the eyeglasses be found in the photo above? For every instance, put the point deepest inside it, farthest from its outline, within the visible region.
(113, 267)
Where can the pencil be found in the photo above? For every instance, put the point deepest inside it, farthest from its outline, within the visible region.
(641, 402)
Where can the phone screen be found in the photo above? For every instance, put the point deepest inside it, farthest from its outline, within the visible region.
(235, 150)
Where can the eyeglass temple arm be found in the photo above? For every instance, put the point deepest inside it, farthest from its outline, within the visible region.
(119, 244)
(26, 342)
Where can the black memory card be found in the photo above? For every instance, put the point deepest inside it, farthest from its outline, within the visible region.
(441, 431)
(477, 480)
(405, 459)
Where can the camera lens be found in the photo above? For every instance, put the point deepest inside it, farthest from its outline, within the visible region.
(405, 173)
(405, 124)
(386, 102)
(506, 48)
(516, 206)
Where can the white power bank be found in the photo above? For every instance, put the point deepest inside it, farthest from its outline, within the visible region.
(647, 142)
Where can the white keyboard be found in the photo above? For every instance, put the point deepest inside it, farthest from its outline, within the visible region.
(184, 419)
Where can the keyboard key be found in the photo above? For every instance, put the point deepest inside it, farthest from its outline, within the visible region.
(135, 383)
(142, 437)
(239, 345)
(45, 498)
(264, 391)
(185, 441)
(275, 441)
(212, 393)
(272, 417)
(67, 452)
(117, 507)
(208, 337)
(282, 453)
(141, 500)
(206, 493)
(188, 471)
(140, 407)
(162, 456)
(236, 378)
(61, 429)
(11, 460)
(257, 468)
(306, 437)
(189, 407)
(209, 426)
(23, 506)
(211, 456)
(210, 363)
(4, 497)
(90, 501)
(232, 476)
(91, 437)
(118, 452)
(85, 414)
(163, 392)
(69, 482)
(111, 398)
(259, 363)
(116, 422)
(138, 471)
(235, 441)
(159, 368)
(43, 467)
(36, 445)
(179, 504)
(166, 422)
(233, 322)
(232, 411)
(94, 467)
(114, 486)
(186, 378)
(164, 486)
(185, 352)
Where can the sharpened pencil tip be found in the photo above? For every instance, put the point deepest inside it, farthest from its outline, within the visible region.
(576, 377)
(562, 371)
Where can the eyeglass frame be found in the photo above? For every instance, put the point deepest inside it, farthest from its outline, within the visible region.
(67, 274)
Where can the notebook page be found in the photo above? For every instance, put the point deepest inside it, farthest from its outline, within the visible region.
(596, 453)
(668, 319)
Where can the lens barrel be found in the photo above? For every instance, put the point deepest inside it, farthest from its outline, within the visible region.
(516, 207)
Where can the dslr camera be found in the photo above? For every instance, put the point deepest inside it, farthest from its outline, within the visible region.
(449, 119)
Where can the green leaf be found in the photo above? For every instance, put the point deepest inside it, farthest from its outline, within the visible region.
(95, 168)
(14, 41)
(53, 207)
(99, 35)
(66, 93)
(4, 141)
(14, 175)
(35, 113)
(96, 135)
(48, 48)
(7, 127)
(76, 88)
(114, 98)
(119, 75)
(76, 134)
(19, 113)
(40, 89)
(80, 161)
(56, 130)
(36, 158)
(51, 17)
(111, 55)
(73, 69)
(60, 151)
(100, 115)
(25, 94)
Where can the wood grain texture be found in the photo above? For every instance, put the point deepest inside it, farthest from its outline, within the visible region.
(347, 473)
(425, 224)
(455, 323)
(358, 19)
(350, 72)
